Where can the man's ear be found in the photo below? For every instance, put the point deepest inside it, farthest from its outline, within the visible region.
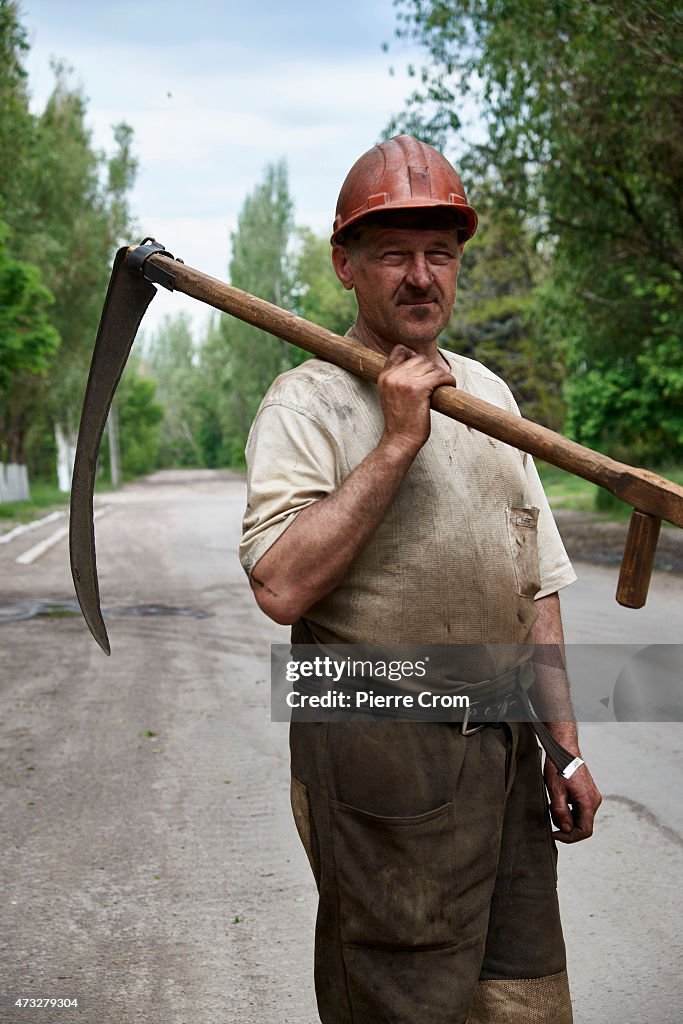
(341, 261)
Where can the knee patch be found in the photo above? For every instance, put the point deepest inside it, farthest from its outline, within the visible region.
(523, 1001)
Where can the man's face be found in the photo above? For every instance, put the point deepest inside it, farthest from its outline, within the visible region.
(405, 279)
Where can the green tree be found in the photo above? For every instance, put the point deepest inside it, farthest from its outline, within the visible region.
(496, 318)
(16, 121)
(260, 264)
(79, 223)
(210, 390)
(26, 336)
(27, 340)
(69, 229)
(588, 148)
(140, 418)
(66, 205)
(320, 295)
(212, 385)
(174, 362)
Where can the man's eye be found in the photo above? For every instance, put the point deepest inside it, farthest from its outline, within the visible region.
(439, 257)
(392, 257)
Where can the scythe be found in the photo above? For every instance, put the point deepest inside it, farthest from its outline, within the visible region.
(131, 289)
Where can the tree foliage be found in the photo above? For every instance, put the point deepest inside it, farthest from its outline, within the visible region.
(16, 123)
(80, 198)
(495, 320)
(246, 359)
(210, 387)
(583, 104)
(320, 295)
(66, 206)
(27, 339)
(174, 363)
(140, 419)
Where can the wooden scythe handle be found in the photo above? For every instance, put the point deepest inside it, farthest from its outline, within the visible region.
(638, 559)
(655, 497)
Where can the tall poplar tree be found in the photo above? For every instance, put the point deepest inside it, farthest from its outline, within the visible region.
(260, 264)
(80, 222)
(173, 362)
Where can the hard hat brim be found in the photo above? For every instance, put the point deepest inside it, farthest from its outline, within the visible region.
(466, 212)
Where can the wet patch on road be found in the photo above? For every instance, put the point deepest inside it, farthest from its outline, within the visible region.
(29, 608)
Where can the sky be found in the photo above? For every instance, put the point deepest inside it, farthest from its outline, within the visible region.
(217, 91)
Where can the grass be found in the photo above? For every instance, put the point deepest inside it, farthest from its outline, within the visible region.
(45, 498)
(564, 490)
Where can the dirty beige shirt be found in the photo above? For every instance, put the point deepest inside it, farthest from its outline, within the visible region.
(465, 546)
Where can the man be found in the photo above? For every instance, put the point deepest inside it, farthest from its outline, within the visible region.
(371, 519)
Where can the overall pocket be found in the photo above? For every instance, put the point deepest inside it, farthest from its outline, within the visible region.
(396, 877)
(523, 537)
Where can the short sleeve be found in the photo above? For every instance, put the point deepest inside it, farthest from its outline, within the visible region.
(555, 568)
(292, 461)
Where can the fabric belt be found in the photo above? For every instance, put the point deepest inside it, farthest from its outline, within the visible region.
(490, 701)
(492, 712)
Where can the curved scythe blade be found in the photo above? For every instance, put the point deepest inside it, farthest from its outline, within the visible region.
(128, 297)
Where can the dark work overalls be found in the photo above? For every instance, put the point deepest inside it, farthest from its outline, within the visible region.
(435, 866)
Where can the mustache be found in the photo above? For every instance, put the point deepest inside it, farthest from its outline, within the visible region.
(416, 295)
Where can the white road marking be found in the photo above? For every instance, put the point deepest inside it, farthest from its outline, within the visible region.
(5, 538)
(37, 550)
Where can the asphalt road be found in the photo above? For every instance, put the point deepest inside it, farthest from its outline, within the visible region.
(149, 865)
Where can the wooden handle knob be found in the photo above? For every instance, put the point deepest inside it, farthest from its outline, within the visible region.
(639, 557)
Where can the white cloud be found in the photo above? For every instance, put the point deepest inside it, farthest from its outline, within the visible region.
(236, 103)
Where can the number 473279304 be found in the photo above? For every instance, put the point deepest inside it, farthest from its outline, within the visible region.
(45, 1002)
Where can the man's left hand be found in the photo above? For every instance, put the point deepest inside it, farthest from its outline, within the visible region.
(573, 803)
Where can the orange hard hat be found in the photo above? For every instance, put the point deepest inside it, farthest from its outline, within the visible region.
(402, 173)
